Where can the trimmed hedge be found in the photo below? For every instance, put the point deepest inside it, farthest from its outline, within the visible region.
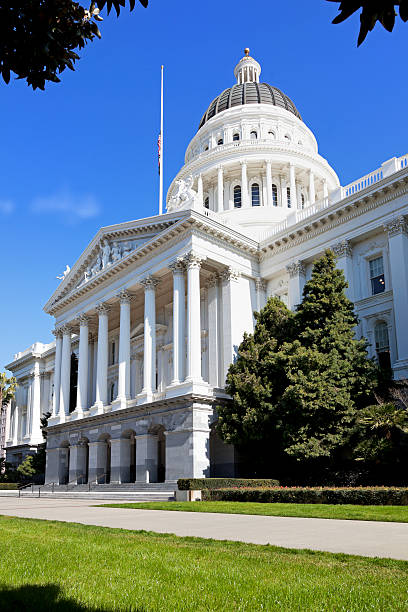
(364, 496)
(8, 486)
(197, 484)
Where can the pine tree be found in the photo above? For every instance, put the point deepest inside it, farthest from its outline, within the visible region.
(300, 378)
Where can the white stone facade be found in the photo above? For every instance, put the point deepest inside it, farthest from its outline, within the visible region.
(149, 318)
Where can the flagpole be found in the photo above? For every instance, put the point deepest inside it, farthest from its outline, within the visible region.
(161, 148)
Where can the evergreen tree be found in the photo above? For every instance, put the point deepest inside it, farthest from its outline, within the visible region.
(300, 378)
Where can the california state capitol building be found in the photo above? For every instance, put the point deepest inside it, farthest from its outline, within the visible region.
(149, 318)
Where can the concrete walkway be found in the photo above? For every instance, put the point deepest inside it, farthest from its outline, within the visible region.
(367, 538)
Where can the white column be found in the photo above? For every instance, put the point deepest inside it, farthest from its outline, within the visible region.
(101, 398)
(149, 372)
(35, 413)
(213, 331)
(296, 283)
(312, 194)
(65, 372)
(260, 287)
(57, 372)
(226, 195)
(16, 415)
(179, 318)
(124, 350)
(269, 201)
(397, 230)
(244, 185)
(83, 364)
(325, 189)
(27, 428)
(200, 190)
(343, 252)
(292, 178)
(193, 263)
(229, 279)
(220, 190)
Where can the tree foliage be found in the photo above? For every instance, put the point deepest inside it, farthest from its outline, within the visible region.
(382, 11)
(26, 469)
(300, 379)
(7, 390)
(39, 38)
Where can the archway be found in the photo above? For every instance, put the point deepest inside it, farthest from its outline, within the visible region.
(161, 454)
(222, 456)
(128, 456)
(83, 461)
(105, 459)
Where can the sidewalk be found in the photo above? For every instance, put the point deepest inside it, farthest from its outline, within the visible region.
(367, 538)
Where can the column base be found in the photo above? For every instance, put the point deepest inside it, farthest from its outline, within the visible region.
(78, 413)
(188, 386)
(120, 403)
(145, 397)
(97, 408)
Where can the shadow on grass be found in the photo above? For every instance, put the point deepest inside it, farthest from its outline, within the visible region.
(35, 598)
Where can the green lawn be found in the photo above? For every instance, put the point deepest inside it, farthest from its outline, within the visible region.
(59, 567)
(397, 514)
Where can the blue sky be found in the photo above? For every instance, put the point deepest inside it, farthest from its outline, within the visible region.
(83, 154)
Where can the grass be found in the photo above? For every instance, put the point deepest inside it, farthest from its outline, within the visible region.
(47, 565)
(397, 514)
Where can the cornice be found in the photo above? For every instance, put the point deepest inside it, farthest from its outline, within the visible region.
(374, 300)
(337, 214)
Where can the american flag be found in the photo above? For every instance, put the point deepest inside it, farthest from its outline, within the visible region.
(159, 150)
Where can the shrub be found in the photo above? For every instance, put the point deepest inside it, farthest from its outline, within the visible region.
(8, 486)
(197, 484)
(364, 496)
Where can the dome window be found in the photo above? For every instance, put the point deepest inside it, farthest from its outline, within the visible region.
(237, 196)
(235, 136)
(274, 195)
(207, 202)
(300, 143)
(220, 141)
(256, 200)
(206, 148)
(302, 198)
(254, 135)
(288, 197)
(287, 137)
(271, 135)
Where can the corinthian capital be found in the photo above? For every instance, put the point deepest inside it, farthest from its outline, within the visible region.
(57, 332)
(83, 319)
(398, 225)
(260, 284)
(193, 261)
(124, 296)
(177, 267)
(296, 268)
(230, 274)
(66, 329)
(102, 308)
(149, 282)
(342, 249)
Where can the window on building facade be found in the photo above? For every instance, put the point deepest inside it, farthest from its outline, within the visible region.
(113, 348)
(302, 200)
(256, 199)
(288, 197)
(377, 275)
(382, 345)
(274, 195)
(207, 202)
(112, 392)
(235, 136)
(220, 141)
(254, 135)
(237, 196)
(271, 134)
(287, 137)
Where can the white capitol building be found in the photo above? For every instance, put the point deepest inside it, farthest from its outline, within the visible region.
(149, 318)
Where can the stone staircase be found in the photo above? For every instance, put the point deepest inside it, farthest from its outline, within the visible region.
(138, 491)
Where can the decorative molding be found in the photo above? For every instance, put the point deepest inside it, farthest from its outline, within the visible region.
(396, 226)
(343, 249)
(230, 274)
(177, 267)
(124, 296)
(57, 332)
(260, 284)
(102, 308)
(83, 320)
(296, 268)
(66, 329)
(193, 261)
(149, 282)
(212, 281)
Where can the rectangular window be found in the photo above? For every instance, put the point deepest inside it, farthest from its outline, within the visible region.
(377, 275)
(112, 353)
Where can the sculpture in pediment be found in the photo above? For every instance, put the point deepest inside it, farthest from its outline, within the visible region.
(183, 192)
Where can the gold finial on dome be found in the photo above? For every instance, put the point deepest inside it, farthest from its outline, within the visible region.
(246, 51)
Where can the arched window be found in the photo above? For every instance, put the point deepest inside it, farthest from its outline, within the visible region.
(220, 141)
(302, 199)
(288, 197)
(254, 135)
(287, 137)
(112, 392)
(237, 196)
(274, 195)
(271, 134)
(256, 201)
(382, 345)
(235, 136)
(206, 148)
(207, 202)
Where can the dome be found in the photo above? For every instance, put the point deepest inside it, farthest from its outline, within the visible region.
(249, 93)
